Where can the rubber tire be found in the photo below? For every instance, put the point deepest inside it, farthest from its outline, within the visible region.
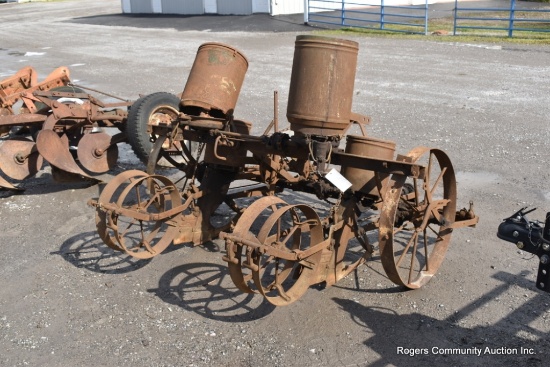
(138, 117)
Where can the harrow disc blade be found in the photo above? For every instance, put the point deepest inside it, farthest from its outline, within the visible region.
(5, 184)
(56, 152)
(20, 158)
(96, 153)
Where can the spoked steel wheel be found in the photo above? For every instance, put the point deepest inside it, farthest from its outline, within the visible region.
(416, 219)
(277, 276)
(241, 256)
(131, 216)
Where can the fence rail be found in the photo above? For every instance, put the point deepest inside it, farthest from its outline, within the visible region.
(387, 15)
(373, 14)
(512, 19)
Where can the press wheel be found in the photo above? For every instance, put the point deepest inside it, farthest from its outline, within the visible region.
(289, 229)
(102, 218)
(416, 219)
(239, 269)
(137, 195)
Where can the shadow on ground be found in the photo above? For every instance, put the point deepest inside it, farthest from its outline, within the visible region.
(205, 23)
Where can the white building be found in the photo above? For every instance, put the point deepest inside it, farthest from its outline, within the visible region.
(242, 7)
(237, 7)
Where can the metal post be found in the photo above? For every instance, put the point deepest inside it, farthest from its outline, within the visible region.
(343, 22)
(381, 14)
(306, 11)
(426, 18)
(456, 13)
(512, 15)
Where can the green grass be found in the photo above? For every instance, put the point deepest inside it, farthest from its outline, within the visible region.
(441, 29)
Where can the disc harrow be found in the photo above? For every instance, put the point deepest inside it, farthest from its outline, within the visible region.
(59, 122)
(369, 199)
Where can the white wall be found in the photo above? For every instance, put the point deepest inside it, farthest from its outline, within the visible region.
(126, 6)
(210, 6)
(260, 6)
(157, 6)
(287, 7)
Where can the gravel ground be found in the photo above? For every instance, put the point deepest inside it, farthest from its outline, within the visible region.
(66, 299)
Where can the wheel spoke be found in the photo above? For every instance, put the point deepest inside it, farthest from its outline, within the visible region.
(276, 282)
(411, 206)
(428, 217)
(427, 258)
(282, 292)
(138, 196)
(413, 256)
(439, 238)
(130, 224)
(426, 185)
(438, 180)
(398, 229)
(416, 193)
(413, 238)
(152, 200)
(266, 262)
(289, 235)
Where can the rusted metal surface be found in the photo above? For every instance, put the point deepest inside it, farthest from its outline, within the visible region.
(321, 85)
(56, 152)
(368, 182)
(406, 203)
(98, 152)
(147, 235)
(215, 79)
(14, 89)
(61, 117)
(413, 252)
(25, 81)
(20, 159)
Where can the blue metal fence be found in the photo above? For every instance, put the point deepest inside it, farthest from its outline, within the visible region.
(511, 18)
(371, 14)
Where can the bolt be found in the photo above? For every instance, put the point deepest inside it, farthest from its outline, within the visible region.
(544, 259)
(519, 244)
(515, 233)
(546, 247)
(20, 158)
